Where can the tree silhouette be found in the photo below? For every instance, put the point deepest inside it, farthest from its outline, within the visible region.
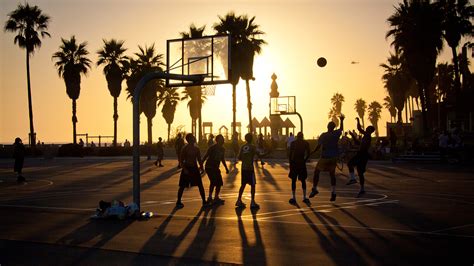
(196, 100)
(374, 111)
(245, 43)
(337, 99)
(29, 23)
(417, 32)
(169, 100)
(388, 104)
(112, 56)
(71, 62)
(197, 49)
(457, 16)
(397, 81)
(360, 106)
(147, 61)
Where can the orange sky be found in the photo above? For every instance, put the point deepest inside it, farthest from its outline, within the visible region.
(297, 32)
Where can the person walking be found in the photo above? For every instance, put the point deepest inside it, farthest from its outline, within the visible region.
(247, 155)
(19, 155)
(160, 152)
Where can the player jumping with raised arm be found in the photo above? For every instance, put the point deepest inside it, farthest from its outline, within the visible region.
(328, 141)
(361, 158)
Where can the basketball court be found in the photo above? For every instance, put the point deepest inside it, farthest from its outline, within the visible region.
(410, 215)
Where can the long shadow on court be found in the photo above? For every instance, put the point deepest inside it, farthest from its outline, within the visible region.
(101, 231)
(251, 254)
(163, 243)
(267, 177)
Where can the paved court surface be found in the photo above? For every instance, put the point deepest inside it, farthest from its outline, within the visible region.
(411, 215)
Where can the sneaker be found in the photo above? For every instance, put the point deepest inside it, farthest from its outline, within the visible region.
(179, 205)
(20, 179)
(306, 200)
(209, 200)
(314, 192)
(160, 165)
(351, 181)
(155, 164)
(292, 201)
(333, 197)
(240, 204)
(361, 193)
(254, 205)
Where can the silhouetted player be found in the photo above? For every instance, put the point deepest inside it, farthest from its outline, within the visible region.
(178, 145)
(190, 175)
(361, 158)
(215, 155)
(298, 154)
(247, 155)
(19, 155)
(328, 141)
(160, 152)
(260, 149)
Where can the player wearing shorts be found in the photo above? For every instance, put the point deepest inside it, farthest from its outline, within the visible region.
(213, 158)
(298, 154)
(190, 174)
(246, 155)
(328, 141)
(361, 158)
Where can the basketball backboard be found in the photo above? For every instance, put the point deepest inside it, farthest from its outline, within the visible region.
(283, 105)
(208, 57)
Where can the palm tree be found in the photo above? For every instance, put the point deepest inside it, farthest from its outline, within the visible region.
(71, 62)
(337, 99)
(374, 111)
(457, 15)
(195, 32)
(360, 106)
(28, 22)
(244, 45)
(388, 104)
(334, 115)
(417, 32)
(445, 78)
(396, 80)
(112, 56)
(169, 100)
(250, 45)
(229, 24)
(147, 61)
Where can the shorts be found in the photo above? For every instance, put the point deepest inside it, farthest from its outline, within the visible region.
(327, 164)
(190, 177)
(248, 177)
(359, 161)
(215, 177)
(298, 171)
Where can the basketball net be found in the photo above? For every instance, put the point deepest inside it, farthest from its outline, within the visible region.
(209, 90)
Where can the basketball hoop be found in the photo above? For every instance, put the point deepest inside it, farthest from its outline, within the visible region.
(209, 90)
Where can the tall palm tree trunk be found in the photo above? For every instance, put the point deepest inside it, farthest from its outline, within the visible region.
(234, 108)
(457, 82)
(74, 121)
(406, 110)
(169, 130)
(30, 103)
(200, 134)
(249, 105)
(424, 108)
(363, 123)
(115, 121)
(400, 116)
(150, 136)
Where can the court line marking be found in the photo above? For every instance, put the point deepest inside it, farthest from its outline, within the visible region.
(272, 221)
(310, 210)
(452, 228)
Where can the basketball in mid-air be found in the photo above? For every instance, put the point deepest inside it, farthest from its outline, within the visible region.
(322, 62)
